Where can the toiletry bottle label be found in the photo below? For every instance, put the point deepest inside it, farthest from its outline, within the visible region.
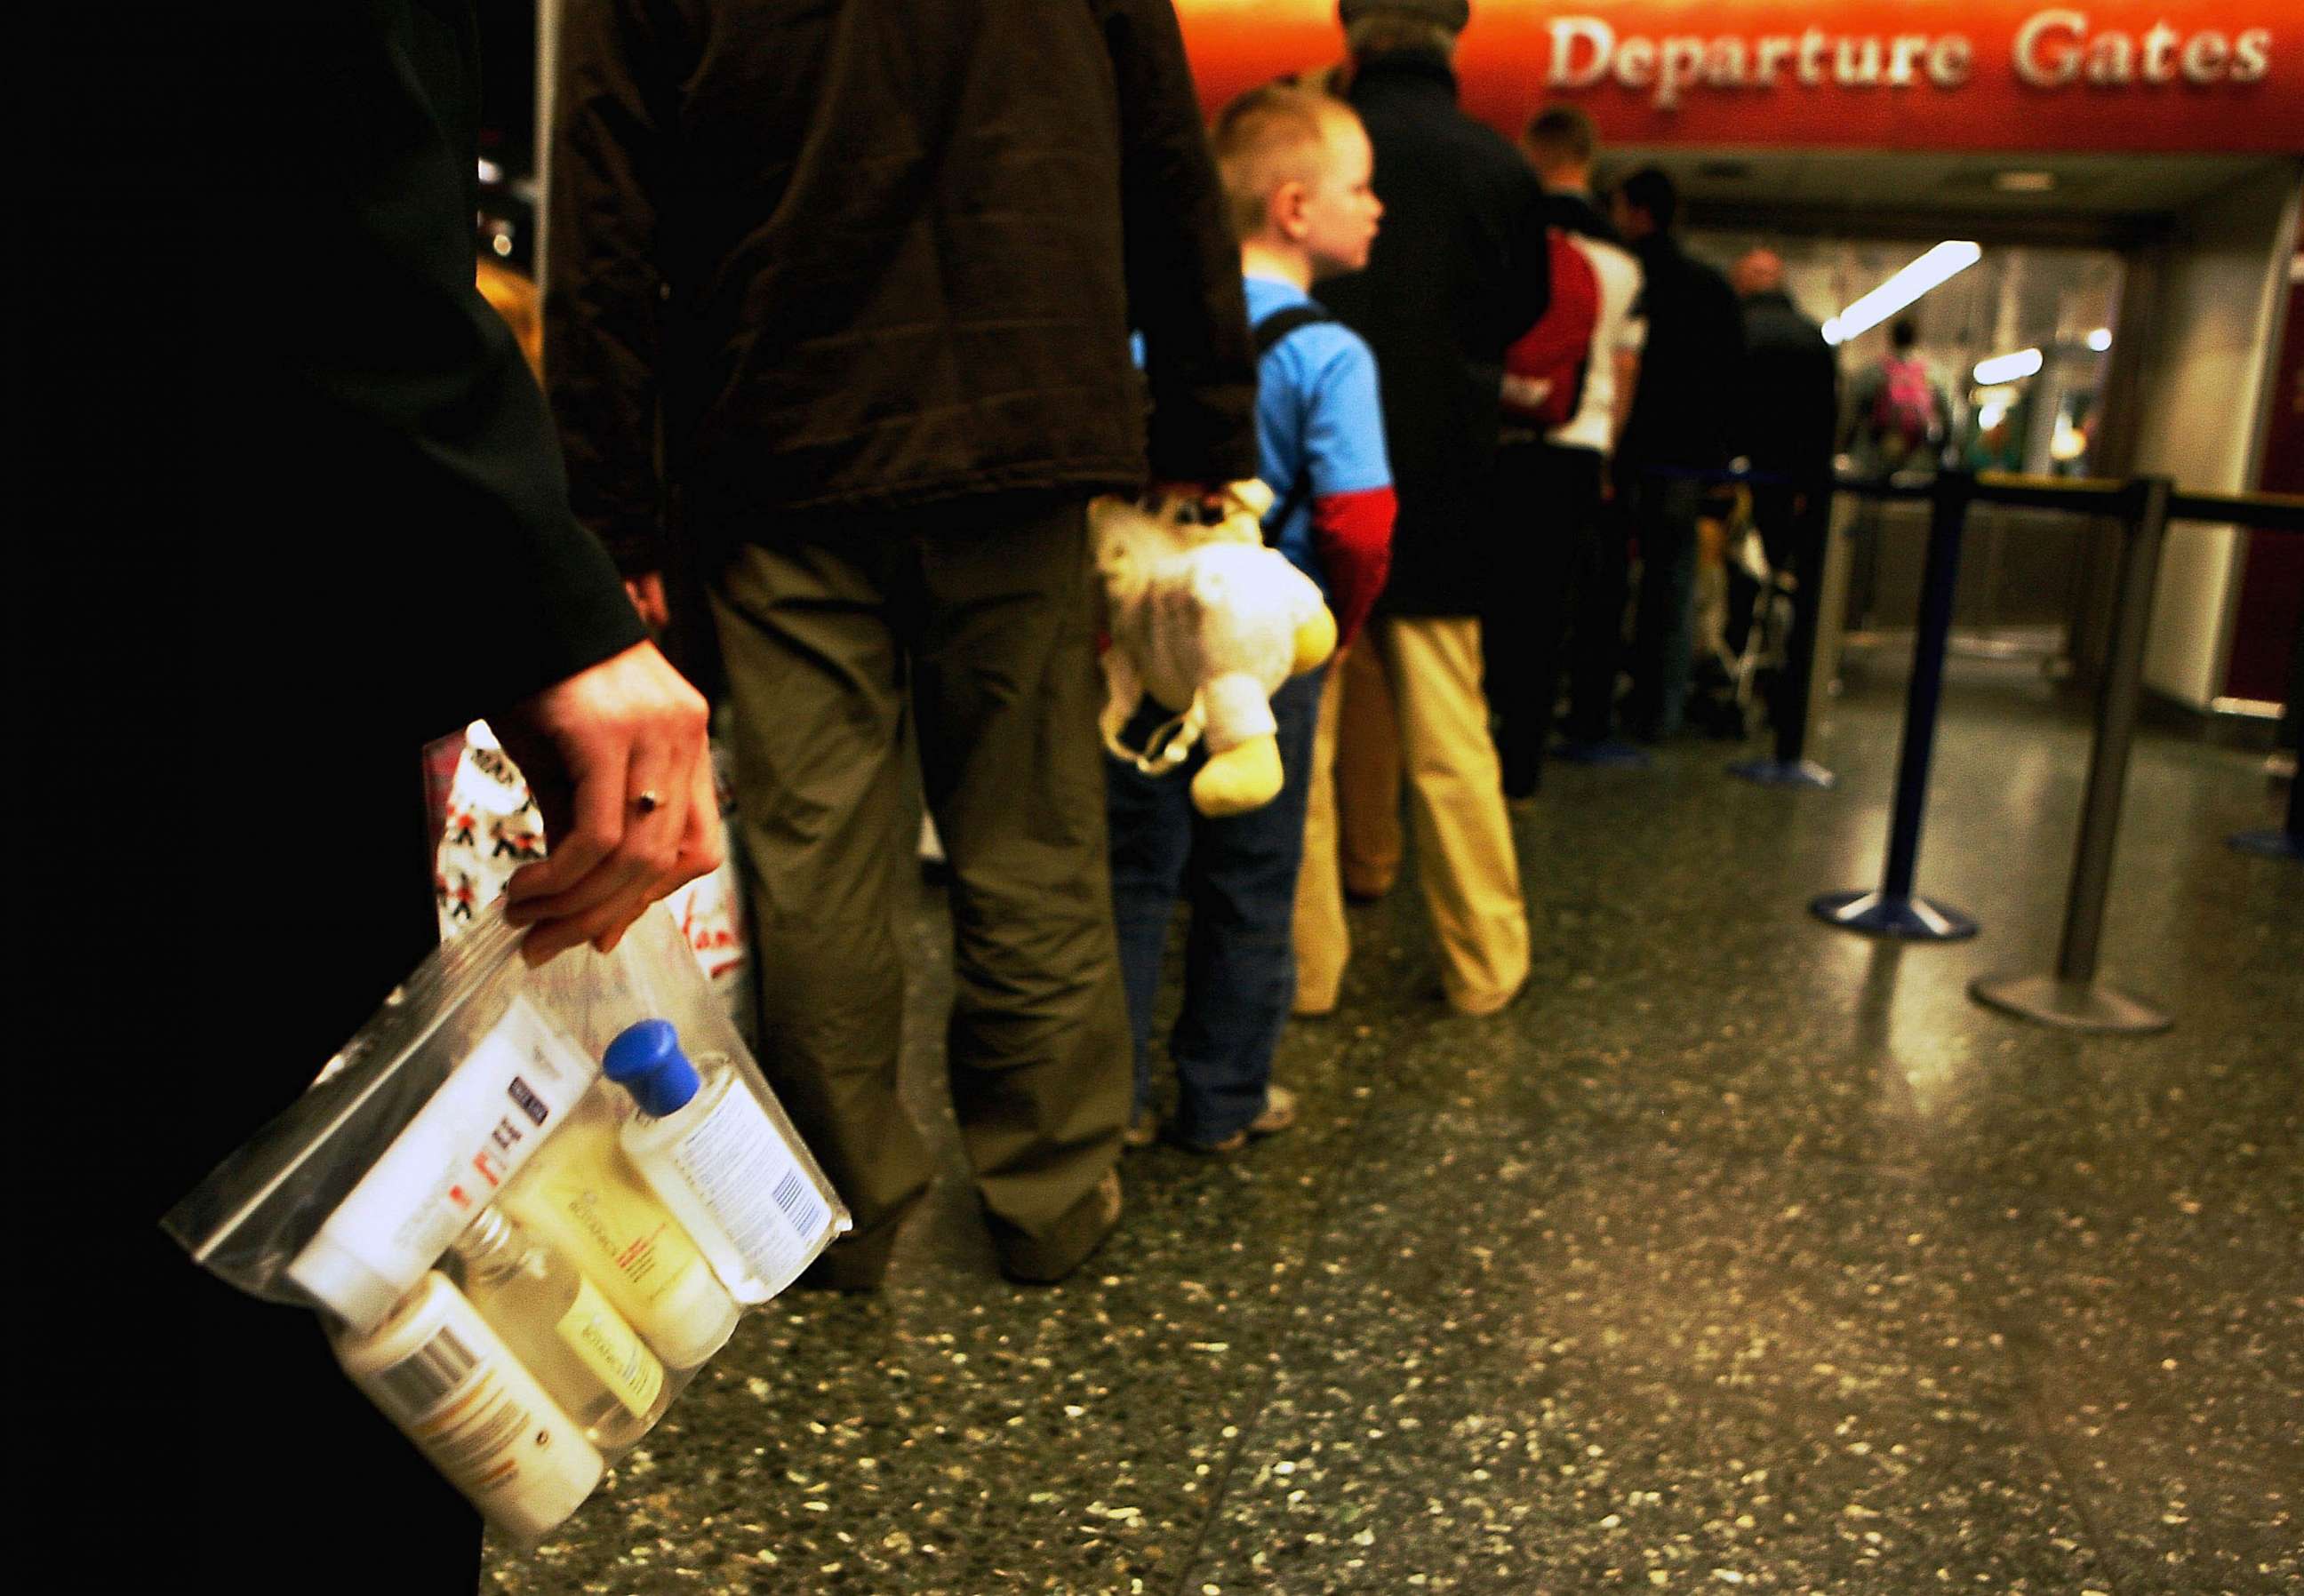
(447, 1164)
(598, 1334)
(471, 1420)
(626, 1227)
(734, 1159)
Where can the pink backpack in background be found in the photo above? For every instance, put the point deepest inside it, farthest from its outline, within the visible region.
(1907, 404)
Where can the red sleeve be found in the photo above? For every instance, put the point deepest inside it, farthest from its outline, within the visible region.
(1353, 535)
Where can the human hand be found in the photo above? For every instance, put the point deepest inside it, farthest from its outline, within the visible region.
(648, 598)
(617, 759)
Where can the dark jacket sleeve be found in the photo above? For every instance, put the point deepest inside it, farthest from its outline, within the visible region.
(606, 284)
(416, 384)
(1529, 251)
(1183, 268)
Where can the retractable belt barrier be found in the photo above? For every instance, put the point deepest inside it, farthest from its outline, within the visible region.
(1893, 910)
(2069, 995)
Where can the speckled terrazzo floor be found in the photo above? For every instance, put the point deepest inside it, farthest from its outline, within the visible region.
(1740, 1253)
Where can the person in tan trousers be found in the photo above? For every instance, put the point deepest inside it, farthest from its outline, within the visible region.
(1459, 273)
(1352, 837)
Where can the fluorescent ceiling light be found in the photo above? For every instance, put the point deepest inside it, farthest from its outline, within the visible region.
(2024, 183)
(1946, 261)
(2007, 368)
(2100, 340)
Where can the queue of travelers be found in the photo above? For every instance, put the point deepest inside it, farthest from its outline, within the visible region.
(837, 351)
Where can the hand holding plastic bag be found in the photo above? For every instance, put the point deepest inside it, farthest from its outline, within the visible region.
(617, 756)
(525, 1261)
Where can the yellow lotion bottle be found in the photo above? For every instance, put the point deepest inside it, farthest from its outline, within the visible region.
(570, 1335)
(584, 1195)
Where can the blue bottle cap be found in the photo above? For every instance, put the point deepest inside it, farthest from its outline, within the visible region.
(645, 1059)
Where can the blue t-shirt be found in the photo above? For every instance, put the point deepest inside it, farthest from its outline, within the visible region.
(1317, 411)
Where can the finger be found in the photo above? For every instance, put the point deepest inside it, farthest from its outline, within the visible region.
(597, 818)
(702, 849)
(601, 925)
(702, 844)
(661, 770)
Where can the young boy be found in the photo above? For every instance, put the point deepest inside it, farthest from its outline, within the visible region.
(1295, 166)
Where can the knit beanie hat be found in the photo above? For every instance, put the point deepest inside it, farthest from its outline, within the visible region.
(1453, 15)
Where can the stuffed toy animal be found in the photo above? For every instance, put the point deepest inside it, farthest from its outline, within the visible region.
(1209, 622)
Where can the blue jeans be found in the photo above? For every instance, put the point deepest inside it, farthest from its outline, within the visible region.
(1238, 875)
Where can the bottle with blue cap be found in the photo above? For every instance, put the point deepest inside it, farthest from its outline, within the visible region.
(712, 1156)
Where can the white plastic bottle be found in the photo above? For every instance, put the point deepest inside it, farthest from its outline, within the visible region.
(584, 1195)
(455, 1388)
(471, 1136)
(570, 1335)
(710, 1151)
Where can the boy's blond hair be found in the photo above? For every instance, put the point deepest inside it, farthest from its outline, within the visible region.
(1268, 137)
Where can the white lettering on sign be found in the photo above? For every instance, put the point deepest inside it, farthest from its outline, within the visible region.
(2053, 49)
(2047, 53)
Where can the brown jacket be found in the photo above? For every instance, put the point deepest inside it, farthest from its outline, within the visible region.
(812, 264)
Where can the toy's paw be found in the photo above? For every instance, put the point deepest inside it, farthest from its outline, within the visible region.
(1241, 778)
(1315, 640)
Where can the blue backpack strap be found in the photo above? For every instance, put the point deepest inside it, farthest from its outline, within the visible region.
(1267, 334)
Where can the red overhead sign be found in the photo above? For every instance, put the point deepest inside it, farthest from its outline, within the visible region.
(2127, 75)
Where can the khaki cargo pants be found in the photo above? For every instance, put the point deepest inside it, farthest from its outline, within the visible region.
(1406, 705)
(983, 636)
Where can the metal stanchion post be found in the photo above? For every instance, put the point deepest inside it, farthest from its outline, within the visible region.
(1893, 910)
(2070, 997)
(1792, 767)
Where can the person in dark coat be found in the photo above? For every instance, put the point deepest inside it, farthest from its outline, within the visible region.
(839, 300)
(1690, 368)
(1785, 420)
(297, 439)
(1459, 271)
(1785, 424)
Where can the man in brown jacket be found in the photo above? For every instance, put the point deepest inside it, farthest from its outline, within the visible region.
(839, 303)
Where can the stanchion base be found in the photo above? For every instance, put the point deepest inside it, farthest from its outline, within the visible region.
(1906, 919)
(1605, 755)
(2269, 844)
(1783, 772)
(2068, 1005)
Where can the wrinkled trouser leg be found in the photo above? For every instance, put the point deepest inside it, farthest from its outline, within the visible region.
(990, 626)
(1150, 821)
(1324, 942)
(817, 675)
(1664, 647)
(1240, 960)
(1367, 771)
(1464, 855)
(1520, 644)
(1007, 692)
(1602, 566)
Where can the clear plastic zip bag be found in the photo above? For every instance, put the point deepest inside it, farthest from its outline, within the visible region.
(531, 1203)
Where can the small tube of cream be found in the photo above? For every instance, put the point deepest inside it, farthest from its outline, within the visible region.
(447, 1163)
